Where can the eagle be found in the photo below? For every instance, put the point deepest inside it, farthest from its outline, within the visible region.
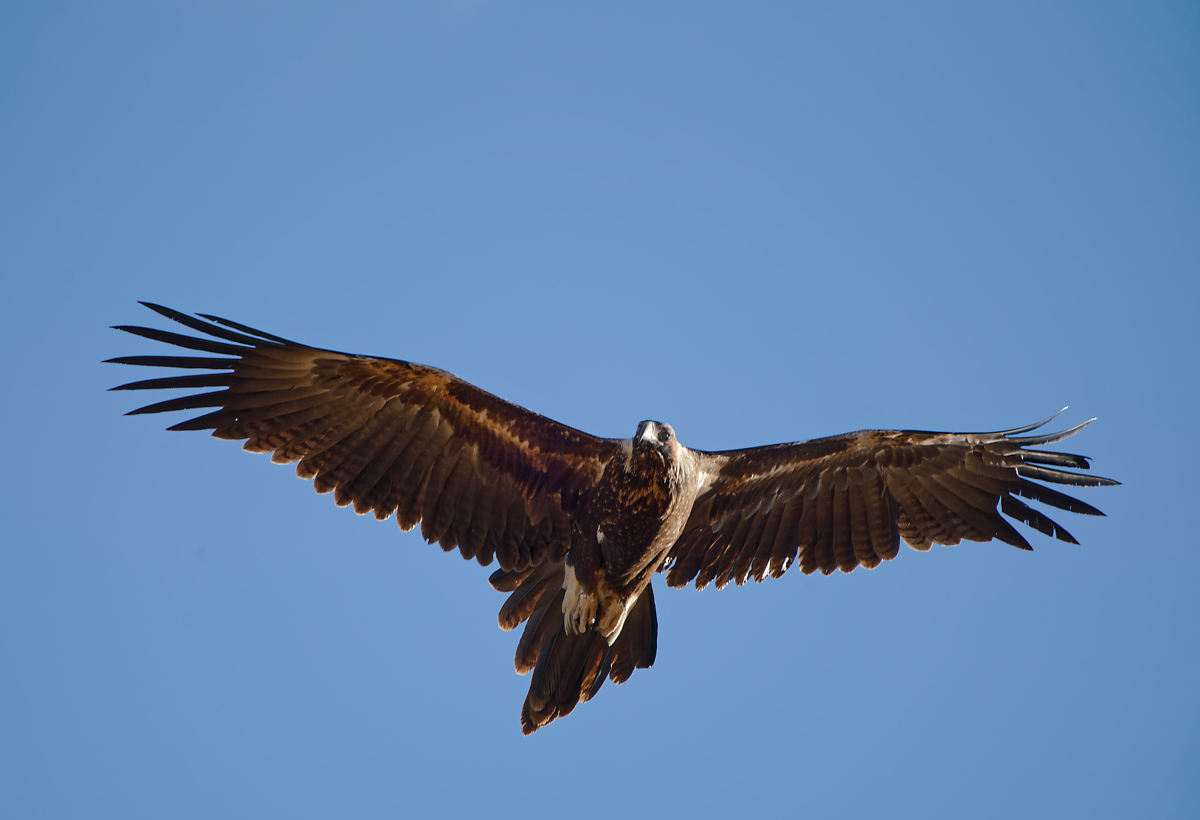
(580, 525)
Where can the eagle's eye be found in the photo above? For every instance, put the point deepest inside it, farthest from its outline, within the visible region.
(663, 435)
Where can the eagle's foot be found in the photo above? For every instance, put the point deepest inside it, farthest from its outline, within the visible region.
(603, 610)
(579, 606)
(612, 619)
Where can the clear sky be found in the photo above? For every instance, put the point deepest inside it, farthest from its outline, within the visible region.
(758, 222)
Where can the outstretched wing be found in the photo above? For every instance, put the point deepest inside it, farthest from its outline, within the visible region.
(839, 502)
(387, 436)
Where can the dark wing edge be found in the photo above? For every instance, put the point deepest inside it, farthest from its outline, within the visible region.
(848, 501)
(478, 473)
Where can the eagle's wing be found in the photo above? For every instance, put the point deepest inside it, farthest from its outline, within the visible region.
(387, 436)
(839, 502)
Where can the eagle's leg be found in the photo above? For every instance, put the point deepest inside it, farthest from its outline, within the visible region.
(578, 606)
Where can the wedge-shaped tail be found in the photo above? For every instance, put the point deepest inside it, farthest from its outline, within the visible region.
(568, 668)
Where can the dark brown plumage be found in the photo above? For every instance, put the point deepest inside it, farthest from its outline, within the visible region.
(579, 524)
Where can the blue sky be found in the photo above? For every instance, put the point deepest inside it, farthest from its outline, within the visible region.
(759, 224)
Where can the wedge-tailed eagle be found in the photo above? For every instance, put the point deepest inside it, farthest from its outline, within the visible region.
(580, 525)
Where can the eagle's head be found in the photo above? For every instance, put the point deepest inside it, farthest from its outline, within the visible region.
(654, 437)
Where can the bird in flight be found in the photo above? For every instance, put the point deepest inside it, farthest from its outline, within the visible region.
(579, 525)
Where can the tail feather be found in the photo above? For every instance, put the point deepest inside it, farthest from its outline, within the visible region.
(637, 644)
(571, 668)
(568, 668)
(542, 625)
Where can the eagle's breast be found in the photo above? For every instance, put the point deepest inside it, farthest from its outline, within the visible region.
(629, 509)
